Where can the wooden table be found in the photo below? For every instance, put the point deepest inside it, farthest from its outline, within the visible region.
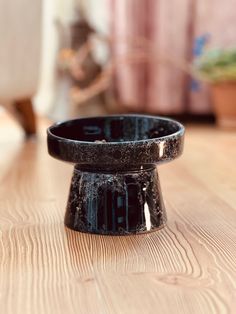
(187, 267)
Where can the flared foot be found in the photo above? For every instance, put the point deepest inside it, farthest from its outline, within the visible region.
(115, 202)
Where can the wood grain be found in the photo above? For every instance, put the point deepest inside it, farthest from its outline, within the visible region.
(187, 267)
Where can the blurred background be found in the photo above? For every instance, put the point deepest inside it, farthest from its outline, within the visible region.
(62, 59)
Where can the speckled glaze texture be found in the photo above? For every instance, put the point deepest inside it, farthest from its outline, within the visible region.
(115, 186)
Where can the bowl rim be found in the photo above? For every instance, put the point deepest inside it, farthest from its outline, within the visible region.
(179, 132)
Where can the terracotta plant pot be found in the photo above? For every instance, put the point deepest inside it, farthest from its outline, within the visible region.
(224, 102)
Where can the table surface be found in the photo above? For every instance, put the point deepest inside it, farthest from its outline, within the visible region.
(187, 267)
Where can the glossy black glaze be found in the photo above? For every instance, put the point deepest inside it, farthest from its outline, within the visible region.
(115, 187)
(115, 203)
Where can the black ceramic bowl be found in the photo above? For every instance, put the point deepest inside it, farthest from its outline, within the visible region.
(115, 187)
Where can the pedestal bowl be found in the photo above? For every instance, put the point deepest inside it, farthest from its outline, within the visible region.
(115, 186)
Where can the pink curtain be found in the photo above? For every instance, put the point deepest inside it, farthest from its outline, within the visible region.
(172, 29)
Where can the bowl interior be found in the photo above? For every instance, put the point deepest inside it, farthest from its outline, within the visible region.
(116, 128)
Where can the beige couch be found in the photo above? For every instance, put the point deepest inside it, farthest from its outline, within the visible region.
(20, 54)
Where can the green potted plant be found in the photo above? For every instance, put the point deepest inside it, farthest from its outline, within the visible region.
(218, 68)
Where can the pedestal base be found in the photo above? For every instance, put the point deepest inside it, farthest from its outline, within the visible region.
(115, 203)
